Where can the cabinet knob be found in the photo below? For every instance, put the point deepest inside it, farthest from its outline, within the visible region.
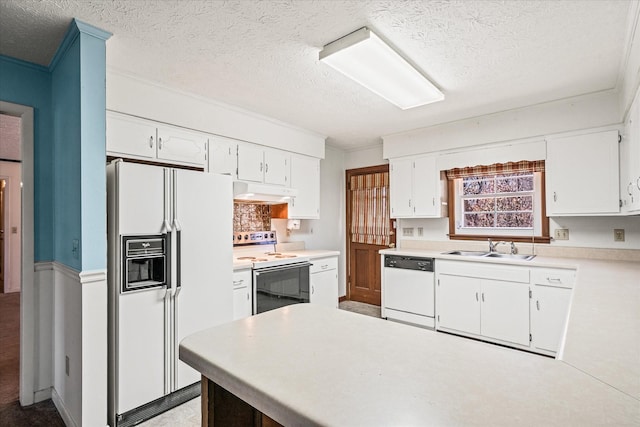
(159, 143)
(151, 142)
(538, 305)
(555, 197)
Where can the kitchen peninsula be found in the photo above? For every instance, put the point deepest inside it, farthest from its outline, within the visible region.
(311, 365)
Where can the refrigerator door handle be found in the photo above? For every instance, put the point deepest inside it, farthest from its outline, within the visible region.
(167, 196)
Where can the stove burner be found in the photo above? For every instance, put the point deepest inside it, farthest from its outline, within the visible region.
(247, 257)
(272, 253)
(260, 259)
(285, 256)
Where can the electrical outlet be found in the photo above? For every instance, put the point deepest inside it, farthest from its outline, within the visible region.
(618, 235)
(407, 231)
(66, 364)
(420, 231)
(561, 234)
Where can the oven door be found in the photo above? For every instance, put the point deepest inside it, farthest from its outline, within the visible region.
(279, 286)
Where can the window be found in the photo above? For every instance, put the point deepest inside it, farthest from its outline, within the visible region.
(502, 201)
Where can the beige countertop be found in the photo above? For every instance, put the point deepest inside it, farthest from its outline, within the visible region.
(311, 365)
(602, 336)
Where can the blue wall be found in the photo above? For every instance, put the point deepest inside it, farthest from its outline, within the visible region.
(69, 101)
(29, 84)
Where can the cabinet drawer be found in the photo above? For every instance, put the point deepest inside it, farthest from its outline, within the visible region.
(553, 277)
(323, 264)
(241, 278)
(483, 271)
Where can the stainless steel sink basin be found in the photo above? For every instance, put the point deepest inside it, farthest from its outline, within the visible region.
(510, 256)
(519, 257)
(466, 253)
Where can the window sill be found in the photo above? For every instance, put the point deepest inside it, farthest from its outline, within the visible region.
(485, 237)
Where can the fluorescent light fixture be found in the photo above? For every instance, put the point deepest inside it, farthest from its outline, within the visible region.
(365, 58)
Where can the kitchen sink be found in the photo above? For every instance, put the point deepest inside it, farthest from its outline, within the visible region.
(466, 253)
(519, 257)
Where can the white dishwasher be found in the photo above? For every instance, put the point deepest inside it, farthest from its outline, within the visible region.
(408, 292)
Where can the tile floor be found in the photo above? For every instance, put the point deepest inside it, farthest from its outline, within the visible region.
(188, 414)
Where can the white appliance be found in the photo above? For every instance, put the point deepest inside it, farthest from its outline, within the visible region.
(408, 290)
(189, 213)
(279, 279)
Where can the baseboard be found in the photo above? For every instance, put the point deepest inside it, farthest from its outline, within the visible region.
(66, 417)
(41, 395)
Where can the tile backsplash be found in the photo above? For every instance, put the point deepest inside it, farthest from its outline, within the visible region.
(251, 217)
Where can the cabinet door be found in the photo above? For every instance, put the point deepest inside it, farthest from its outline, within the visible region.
(400, 188)
(324, 288)
(277, 167)
(582, 173)
(505, 311)
(426, 179)
(223, 155)
(130, 136)
(182, 146)
(242, 294)
(549, 315)
(250, 162)
(458, 303)
(630, 160)
(241, 303)
(305, 177)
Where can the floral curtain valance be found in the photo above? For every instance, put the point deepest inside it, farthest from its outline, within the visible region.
(523, 166)
(370, 208)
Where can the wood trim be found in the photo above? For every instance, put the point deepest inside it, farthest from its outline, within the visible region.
(485, 237)
(544, 238)
(342, 299)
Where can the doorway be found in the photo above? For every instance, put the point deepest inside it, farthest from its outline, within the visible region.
(369, 229)
(10, 256)
(25, 234)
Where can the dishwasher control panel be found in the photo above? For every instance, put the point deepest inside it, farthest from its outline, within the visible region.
(409, 262)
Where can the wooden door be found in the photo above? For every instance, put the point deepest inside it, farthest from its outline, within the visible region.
(2, 203)
(369, 229)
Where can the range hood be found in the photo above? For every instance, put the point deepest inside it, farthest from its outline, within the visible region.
(249, 192)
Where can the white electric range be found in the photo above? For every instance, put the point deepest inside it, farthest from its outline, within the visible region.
(278, 279)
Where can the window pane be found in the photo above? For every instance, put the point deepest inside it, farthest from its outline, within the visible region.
(479, 205)
(525, 183)
(516, 203)
(479, 220)
(475, 185)
(515, 220)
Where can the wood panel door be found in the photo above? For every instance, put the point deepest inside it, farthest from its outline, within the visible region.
(368, 237)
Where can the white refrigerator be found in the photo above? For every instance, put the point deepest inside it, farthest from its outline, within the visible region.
(193, 211)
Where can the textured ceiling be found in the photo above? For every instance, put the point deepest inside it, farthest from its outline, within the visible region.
(486, 56)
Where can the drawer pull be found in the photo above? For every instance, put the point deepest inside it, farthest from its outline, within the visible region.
(554, 280)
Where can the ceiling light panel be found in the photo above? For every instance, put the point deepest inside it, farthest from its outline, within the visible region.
(365, 58)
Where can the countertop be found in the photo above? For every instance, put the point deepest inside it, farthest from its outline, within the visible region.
(602, 336)
(311, 365)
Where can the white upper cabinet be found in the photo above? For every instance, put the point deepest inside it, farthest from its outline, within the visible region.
(305, 177)
(277, 167)
(630, 161)
(130, 136)
(223, 155)
(582, 174)
(415, 188)
(182, 146)
(261, 164)
(135, 138)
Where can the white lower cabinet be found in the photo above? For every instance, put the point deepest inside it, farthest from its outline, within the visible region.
(551, 296)
(242, 294)
(324, 282)
(522, 307)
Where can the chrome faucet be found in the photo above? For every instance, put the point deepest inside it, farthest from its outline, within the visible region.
(493, 246)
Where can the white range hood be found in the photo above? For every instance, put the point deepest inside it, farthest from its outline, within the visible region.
(262, 193)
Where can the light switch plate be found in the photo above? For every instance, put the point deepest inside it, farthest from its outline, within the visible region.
(561, 234)
(618, 234)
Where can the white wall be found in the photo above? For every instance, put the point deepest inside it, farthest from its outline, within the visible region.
(11, 172)
(131, 95)
(363, 157)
